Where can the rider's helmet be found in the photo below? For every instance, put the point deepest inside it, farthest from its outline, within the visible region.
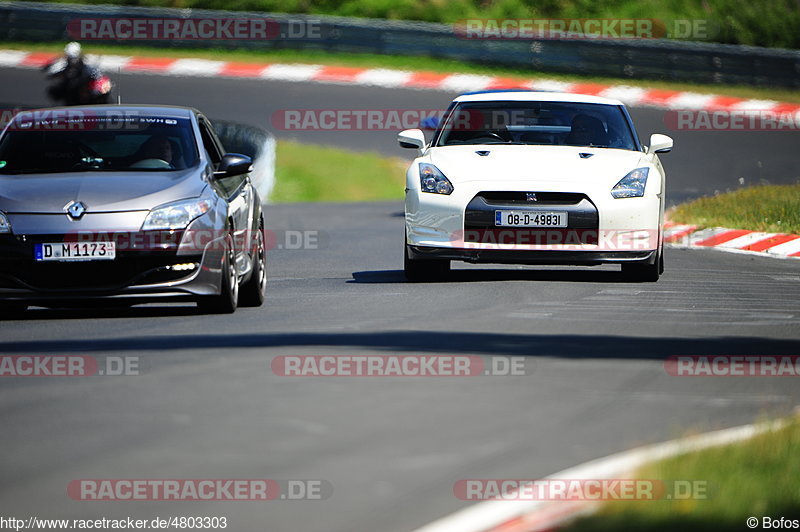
(72, 51)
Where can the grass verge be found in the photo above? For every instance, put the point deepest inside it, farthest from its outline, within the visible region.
(306, 172)
(770, 208)
(754, 478)
(404, 63)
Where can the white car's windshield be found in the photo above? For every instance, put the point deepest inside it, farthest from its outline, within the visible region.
(537, 123)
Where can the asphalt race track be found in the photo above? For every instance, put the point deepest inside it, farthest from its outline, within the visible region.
(703, 162)
(206, 403)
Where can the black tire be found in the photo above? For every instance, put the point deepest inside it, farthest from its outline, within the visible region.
(661, 261)
(642, 272)
(12, 309)
(251, 293)
(226, 301)
(420, 271)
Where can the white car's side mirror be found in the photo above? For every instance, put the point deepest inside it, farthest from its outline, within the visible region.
(411, 138)
(660, 144)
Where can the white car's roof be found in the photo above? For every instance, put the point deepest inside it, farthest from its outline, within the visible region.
(533, 96)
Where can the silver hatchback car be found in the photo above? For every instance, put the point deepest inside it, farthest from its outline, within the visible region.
(129, 203)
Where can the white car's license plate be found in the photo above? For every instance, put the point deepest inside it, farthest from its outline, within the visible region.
(75, 251)
(530, 219)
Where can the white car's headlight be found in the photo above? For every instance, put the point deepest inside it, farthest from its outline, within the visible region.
(5, 225)
(432, 180)
(176, 215)
(632, 185)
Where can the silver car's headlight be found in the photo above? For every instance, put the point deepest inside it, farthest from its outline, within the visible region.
(432, 180)
(632, 185)
(176, 215)
(5, 225)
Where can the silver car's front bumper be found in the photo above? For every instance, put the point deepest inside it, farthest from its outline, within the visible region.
(132, 275)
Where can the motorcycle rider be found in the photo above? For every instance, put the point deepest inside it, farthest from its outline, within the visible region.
(70, 72)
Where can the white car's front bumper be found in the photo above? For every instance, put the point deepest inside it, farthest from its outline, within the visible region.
(600, 228)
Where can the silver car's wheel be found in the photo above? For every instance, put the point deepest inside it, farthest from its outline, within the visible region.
(253, 291)
(226, 301)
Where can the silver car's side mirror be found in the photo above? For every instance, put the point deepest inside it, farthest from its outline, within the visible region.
(233, 164)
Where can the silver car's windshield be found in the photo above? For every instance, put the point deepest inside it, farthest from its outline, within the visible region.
(537, 123)
(80, 144)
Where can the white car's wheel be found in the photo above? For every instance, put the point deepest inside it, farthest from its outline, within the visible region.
(643, 272)
(427, 270)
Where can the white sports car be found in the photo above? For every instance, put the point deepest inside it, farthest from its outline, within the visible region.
(523, 177)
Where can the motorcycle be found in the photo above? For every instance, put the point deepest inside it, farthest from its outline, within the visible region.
(85, 85)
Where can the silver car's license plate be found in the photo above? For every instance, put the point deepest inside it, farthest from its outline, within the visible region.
(74, 251)
(530, 219)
